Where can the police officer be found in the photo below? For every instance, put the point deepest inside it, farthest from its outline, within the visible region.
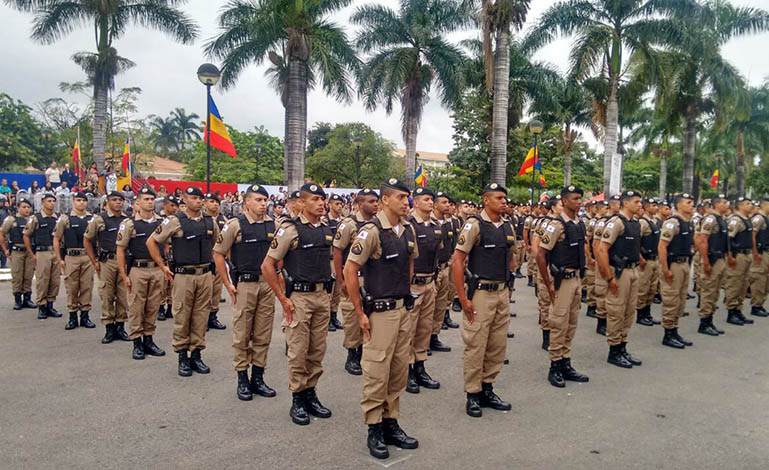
(487, 243)
(738, 260)
(527, 233)
(104, 227)
(142, 276)
(170, 207)
(39, 232)
(303, 244)
(384, 250)
(333, 218)
(212, 205)
(600, 283)
(22, 261)
(247, 238)
(367, 201)
(650, 269)
(554, 208)
(618, 257)
(443, 286)
(294, 205)
(675, 252)
(601, 208)
(78, 270)
(277, 211)
(759, 270)
(562, 252)
(712, 243)
(192, 234)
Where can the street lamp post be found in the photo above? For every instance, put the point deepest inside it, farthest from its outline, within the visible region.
(357, 142)
(535, 127)
(209, 75)
(257, 149)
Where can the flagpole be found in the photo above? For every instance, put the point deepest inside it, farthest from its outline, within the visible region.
(77, 163)
(208, 137)
(533, 170)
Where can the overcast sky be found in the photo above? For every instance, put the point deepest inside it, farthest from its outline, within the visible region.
(166, 73)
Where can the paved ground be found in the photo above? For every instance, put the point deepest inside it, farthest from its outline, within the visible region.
(70, 402)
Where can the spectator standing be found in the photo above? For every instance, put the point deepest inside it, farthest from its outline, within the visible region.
(4, 189)
(52, 175)
(68, 176)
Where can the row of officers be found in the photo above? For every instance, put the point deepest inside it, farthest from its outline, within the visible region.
(393, 272)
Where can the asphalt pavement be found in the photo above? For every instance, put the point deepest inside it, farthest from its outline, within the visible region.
(67, 401)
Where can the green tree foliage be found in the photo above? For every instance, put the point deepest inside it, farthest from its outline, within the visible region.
(21, 136)
(317, 137)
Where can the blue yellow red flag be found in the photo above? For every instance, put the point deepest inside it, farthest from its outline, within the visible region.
(219, 137)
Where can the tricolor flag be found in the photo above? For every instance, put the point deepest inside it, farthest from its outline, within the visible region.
(419, 177)
(714, 179)
(126, 162)
(76, 152)
(532, 158)
(538, 167)
(220, 138)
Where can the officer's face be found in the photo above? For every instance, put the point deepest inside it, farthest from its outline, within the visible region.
(685, 207)
(613, 206)
(79, 204)
(368, 205)
(256, 204)
(146, 202)
(397, 202)
(335, 206)
(652, 209)
(424, 203)
(193, 202)
(442, 206)
(278, 210)
(572, 201)
(25, 210)
(212, 205)
(48, 203)
(558, 208)
(313, 204)
(633, 204)
(664, 212)
(115, 204)
(720, 205)
(495, 202)
(170, 208)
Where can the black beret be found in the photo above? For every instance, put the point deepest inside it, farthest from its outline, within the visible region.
(492, 187)
(442, 194)
(572, 189)
(627, 194)
(294, 195)
(79, 195)
(47, 195)
(257, 189)
(335, 197)
(172, 199)
(368, 192)
(663, 202)
(395, 183)
(741, 199)
(616, 197)
(649, 200)
(280, 203)
(115, 194)
(720, 197)
(212, 196)
(193, 191)
(147, 190)
(313, 188)
(23, 201)
(463, 201)
(706, 203)
(424, 192)
(603, 203)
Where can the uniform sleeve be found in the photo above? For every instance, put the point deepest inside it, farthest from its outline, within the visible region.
(215, 234)
(61, 224)
(364, 245)
(31, 226)
(527, 223)
(125, 232)
(646, 229)
(94, 226)
(614, 228)
(415, 253)
(227, 237)
(551, 235)
(734, 226)
(285, 240)
(344, 234)
(7, 224)
(669, 230)
(166, 229)
(758, 222)
(468, 237)
(706, 227)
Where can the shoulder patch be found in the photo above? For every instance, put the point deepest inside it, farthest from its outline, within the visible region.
(159, 229)
(224, 229)
(338, 234)
(606, 234)
(467, 226)
(610, 225)
(363, 234)
(462, 239)
(119, 236)
(280, 232)
(670, 225)
(274, 243)
(220, 238)
(550, 229)
(546, 239)
(357, 248)
(165, 221)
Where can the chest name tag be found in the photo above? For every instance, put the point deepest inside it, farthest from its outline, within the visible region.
(391, 256)
(308, 245)
(328, 238)
(112, 229)
(421, 236)
(489, 246)
(140, 234)
(190, 237)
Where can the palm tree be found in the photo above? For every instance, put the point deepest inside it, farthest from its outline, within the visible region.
(410, 54)
(302, 44)
(164, 134)
(659, 127)
(749, 128)
(186, 125)
(605, 31)
(54, 19)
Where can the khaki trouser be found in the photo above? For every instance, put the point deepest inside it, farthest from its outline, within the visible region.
(452, 287)
(78, 280)
(737, 279)
(113, 292)
(385, 364)
(697, 271)
(531, 264)
(22, 271)
(759, 281)
(252, 317)
(620, 308)
(144, 299)
(544, 302)
(216, 292)
(353, 335)
(48, 275)
(306, 339)
(520, 249)
(648, 280)
(191, 305)
(711, 287)
(674, 295)
(335, 297)
(590, 286)
(563, 318)
(441, 299)
(600, 295)
(485, 338)
(421, 321)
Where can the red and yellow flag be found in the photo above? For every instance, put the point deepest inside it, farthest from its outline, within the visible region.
(220, 138)
(714, 179)
(528, 163)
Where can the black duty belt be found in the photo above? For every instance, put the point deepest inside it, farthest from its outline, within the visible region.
(632, 265)
(22, 249)
(421, 281)
(105, 255)
(192, 271)
(716, 255)
(76, 252)
(308, 286)
(491, 286)
(679, 259)
(384, 305)
(569, 275)
(40, 248)
(651, 257)
(744, 251)
(143, 264)
(250, 278)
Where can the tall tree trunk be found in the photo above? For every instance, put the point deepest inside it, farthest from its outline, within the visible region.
(663, 174)
(740, 163)
(99, 124)
(410, 138)
(567, 141)
(610, 134)
(296, 123)
(499, 110)
(688, 165)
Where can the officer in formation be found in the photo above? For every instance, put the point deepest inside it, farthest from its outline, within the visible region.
(212, 205)
(759, 270)
(303, 244)
(562, 254)
(142, 276)
(38, 232)
(712, 243)
(553, 208)
(78, 270)
(738, 260)
(22, 261)
(103, 228)
(333, 219)
(527, 234)
(246, 239)
(384, 252)
(649, 270)
(600, 283)
(170, 207)
(192, 234)
(588, 284)
(486, 242)
(444, 287)
(367, 202)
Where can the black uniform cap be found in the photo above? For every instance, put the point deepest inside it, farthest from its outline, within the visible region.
(603, 203)
(212, 196)
(741, 199)
(294, 195)
(396, 184)
(23, 201)
(79, 195)
(616, 197)
(720, 197)
(492, 187)
(47, 195)
(335, 197)
(147, 190)
(446, 195)
(572, 189)
(424, 192)
(627, 194)
(368, 192)
(313, 188)
(193, 191)
(172, 199)
(279, 203)
(257, 189)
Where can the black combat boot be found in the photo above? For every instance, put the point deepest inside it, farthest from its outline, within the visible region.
(642, 318)
(151, 348)
(109, 333)
(531, 281)
(185, 370)
(448, 321)
(85, 321)
(473, 406)
(489, 399)
(314, 406)
(630, 359)
(42, 312)
(733, 318)
(681, 339)
(27, 303)
(333, 320)
(17, 302)
(169, 311)
(436, 345)
(583, 298)
(600, 326)
(591, 311)
(352, 365)
(713, 325)
(545, 340)
(138, 350)
(298, 411)
(375, 441)
(705, 327)
(120, 332)
(657, 298)
(699, 300)
(670, 340)
(394, 435)
(617, 358)
(243, 391)
(52, 312)
(257, 383)
(423, 378)
(757, 311)
(518, 274)
(197, 364)
(214, 322)
(510, 334)
(162, 313)
(411, 383)
(555, 376)
(568, 372)
(72, 323)
(455, 305)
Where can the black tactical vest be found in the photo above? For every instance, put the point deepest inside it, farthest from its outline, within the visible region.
(519, 228)
(428, 240)
(195, 245)
(719, 242)
(332, 224)
(309, 261)
(16, 234)
(649, 243)
(255, 239)
(447, 235)
(220, 221)
(138, 244)
(490, 259)
(681, 244)
(108, 236)
(762, 236)
(744, 239)
(456, 227)
(388, 276)
(73, 235)
(43, 236)
(627, 245)
(358, 225)
(569, 253)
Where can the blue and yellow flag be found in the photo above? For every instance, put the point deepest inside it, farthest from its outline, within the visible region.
(419, 177)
